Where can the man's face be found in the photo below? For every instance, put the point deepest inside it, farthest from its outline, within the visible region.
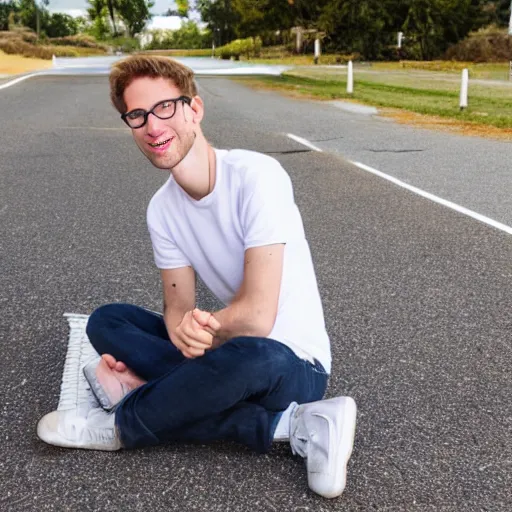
(166, 142)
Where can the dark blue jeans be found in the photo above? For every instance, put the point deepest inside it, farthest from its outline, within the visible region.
(236, 392)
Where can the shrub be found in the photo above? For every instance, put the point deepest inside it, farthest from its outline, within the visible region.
(20, 47)
(487, 45)
(81, 40)
(124, 44)
(250, 47)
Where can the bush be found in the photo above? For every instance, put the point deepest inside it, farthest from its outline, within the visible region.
(250, 47)
(15, 46)
(81, 40)
(487, 45)
(124, 44)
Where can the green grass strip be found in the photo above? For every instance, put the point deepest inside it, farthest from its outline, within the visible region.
(489, 109)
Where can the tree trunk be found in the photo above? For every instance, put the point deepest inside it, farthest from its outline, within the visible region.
(110, 5)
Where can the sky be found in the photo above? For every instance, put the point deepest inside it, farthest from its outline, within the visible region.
(78, 8)
(74, 7)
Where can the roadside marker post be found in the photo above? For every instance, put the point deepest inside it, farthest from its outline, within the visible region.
(317, 50)
(464, 89)
(350, 78)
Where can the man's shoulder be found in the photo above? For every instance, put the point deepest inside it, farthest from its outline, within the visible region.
(160, 197)
(245, 159)
(251, 165)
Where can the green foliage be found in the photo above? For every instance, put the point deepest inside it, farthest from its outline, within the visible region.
(368, 27)
(105, 13)
(61, 25)
(187, 36)
(123, 44)
(99, 28)
(135, 14)
(182, 8)
(7, 10)
(249, 48)
(30, 14)
(221, 17)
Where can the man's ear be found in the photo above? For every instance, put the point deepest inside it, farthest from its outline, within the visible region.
(197, 107)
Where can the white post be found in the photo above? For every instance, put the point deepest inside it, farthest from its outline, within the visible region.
(213, 50)
(317, 50)
(54, 61)
(350, 78)
(400, 37)
(298, 41)
(464, 89)
(510, 21)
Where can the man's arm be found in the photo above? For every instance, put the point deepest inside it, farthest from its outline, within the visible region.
(254, 309)
(179, 287)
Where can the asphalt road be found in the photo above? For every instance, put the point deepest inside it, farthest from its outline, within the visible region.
(416, 297)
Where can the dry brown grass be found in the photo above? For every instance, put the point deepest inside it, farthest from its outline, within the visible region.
(15, 64)
(446, 125)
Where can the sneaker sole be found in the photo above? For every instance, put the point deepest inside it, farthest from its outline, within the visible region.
(344, 444)
(47, 431)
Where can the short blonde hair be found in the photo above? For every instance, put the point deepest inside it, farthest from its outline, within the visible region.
(125, 71)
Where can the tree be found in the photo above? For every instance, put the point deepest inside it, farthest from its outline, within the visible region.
(6, 8)
(358, 26)
(221, 18)
(188, 36)
(33, 14)
(112, 6)
(98, 14)
(61, 25)
(135, 14)
(183, 8)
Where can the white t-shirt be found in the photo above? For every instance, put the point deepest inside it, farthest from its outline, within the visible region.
(251, 205)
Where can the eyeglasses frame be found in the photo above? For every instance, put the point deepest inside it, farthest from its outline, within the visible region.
(185, 99)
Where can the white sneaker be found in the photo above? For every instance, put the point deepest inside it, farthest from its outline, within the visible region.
(323, 433)
(93, 430)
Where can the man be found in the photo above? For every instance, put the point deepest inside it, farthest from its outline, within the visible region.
(234, 374)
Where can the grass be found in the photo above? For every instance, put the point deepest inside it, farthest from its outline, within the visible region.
(488, 106)
(15, 64)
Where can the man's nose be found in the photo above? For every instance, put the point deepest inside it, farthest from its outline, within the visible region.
(153, 124)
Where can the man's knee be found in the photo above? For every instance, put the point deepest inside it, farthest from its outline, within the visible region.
(249, 354)
(105, 316)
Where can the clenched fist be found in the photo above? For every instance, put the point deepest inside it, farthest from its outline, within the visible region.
(195, 334)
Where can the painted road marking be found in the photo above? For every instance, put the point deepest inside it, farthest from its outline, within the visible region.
(17, 80)
(304, 142)
(416, 190)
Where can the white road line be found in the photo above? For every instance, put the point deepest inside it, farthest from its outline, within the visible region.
(432, 197)
(427, 195)
(17, 80)
(304, 142)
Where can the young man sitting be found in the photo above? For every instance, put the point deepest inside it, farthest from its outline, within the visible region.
(256, 370)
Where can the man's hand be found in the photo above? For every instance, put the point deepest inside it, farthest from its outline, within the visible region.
(195, 334)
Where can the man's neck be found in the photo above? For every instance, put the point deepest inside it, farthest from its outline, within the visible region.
(195, 174)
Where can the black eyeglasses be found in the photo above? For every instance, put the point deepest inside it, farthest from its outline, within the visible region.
(163, 110)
